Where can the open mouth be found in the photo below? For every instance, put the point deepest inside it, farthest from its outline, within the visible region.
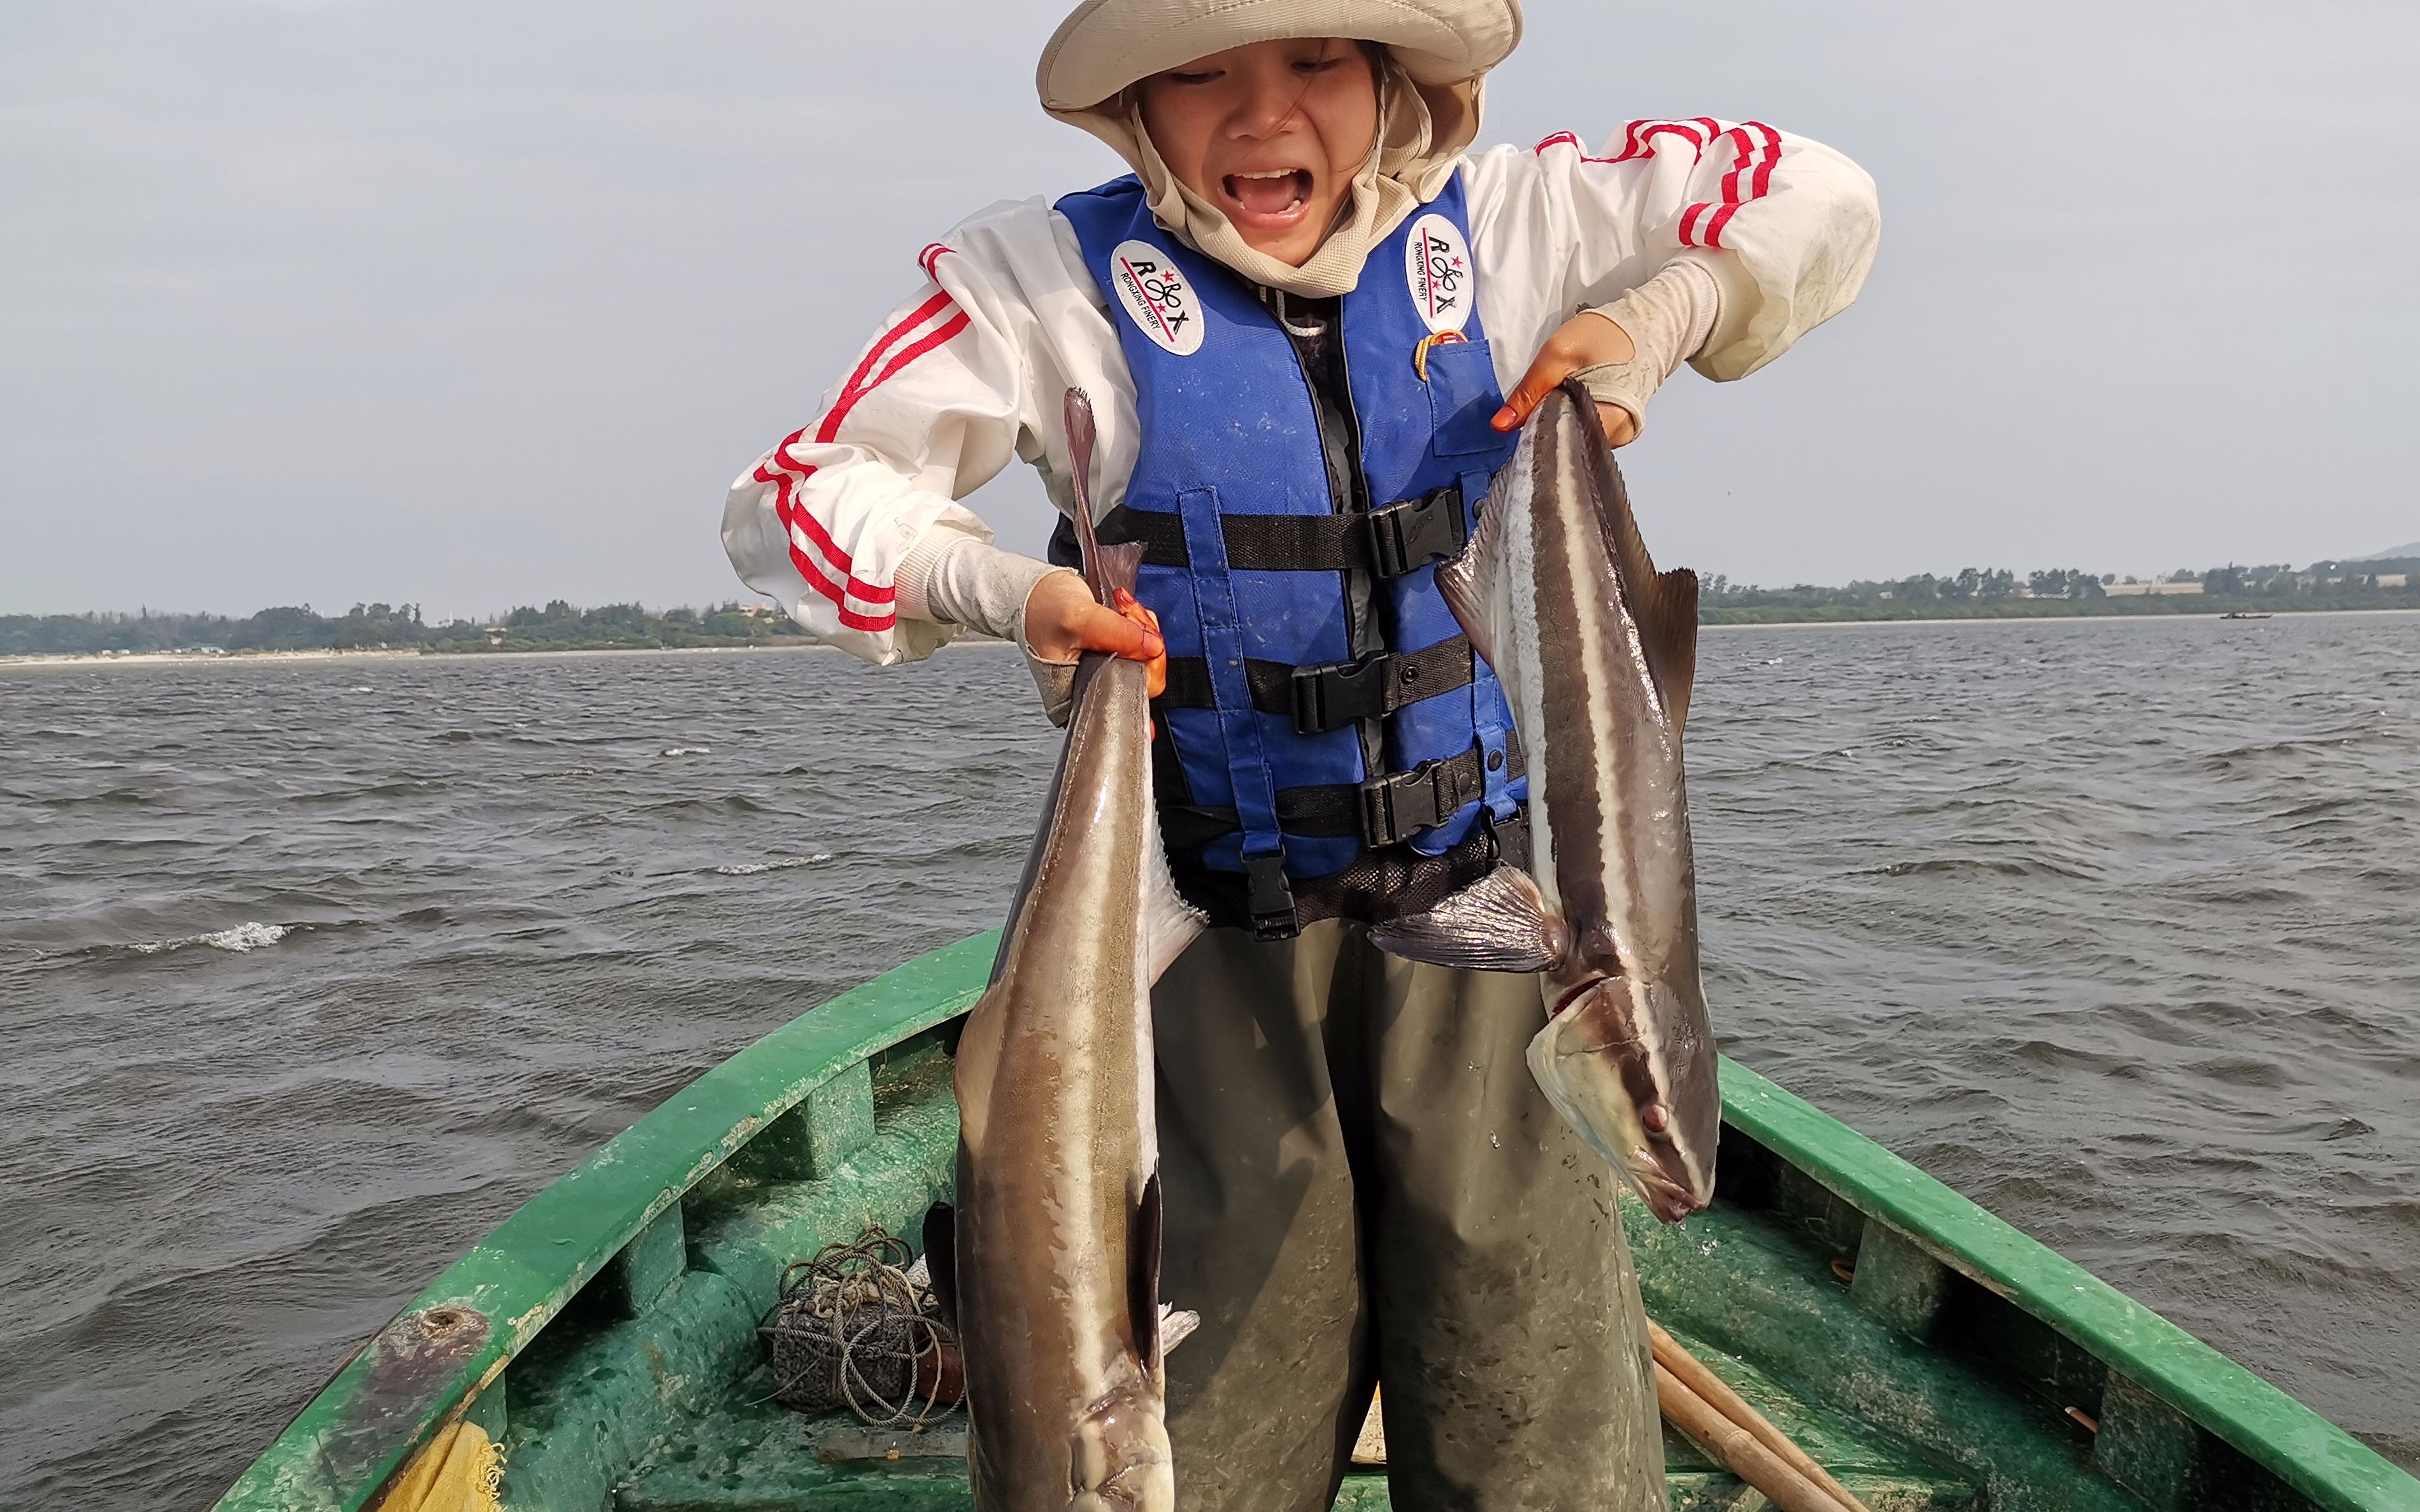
(1269, 194)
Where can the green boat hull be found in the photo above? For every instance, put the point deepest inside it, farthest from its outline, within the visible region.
(1932, 1356)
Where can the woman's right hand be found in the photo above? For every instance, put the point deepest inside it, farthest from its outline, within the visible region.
(1063, 621)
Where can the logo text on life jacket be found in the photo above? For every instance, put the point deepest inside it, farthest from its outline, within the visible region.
(1437, 264)
(1157, 296)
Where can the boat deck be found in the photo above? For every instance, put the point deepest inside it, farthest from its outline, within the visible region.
(1929, 1354)
(721, 1444)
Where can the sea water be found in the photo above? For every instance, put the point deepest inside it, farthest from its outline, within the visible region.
(312, 970)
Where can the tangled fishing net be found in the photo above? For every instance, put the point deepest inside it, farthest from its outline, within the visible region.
(857, 1328)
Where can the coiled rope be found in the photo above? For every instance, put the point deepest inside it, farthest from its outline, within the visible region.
(851, 1330)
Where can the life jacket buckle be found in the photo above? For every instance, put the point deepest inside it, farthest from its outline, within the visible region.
(1269, 897)
(1335, 695)
(1408, 536)
(1397, 806)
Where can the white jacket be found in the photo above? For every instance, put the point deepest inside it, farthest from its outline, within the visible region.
(968, 372)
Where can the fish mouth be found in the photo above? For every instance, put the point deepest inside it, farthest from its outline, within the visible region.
(1666, 1199)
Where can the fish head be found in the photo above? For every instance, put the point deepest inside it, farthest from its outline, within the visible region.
(1118, 1458)
(1628, 1063)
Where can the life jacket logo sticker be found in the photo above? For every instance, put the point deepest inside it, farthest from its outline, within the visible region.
(1157, 297)
(1436, 265)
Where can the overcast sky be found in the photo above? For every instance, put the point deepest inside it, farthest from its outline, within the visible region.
(479, 305)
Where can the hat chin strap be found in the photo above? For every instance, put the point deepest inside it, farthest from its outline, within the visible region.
(1406, 166)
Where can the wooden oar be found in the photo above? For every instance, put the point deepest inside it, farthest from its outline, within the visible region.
(1691, 1375)
(1738, 1450)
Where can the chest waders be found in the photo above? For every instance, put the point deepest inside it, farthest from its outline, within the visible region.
(1322, 702)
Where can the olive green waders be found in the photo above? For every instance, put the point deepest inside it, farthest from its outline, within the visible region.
(1364, 1185)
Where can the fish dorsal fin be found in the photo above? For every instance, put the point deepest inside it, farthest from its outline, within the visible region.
(1670, 632)
(1664, 605)
(1142, 1273)
(1500, 922)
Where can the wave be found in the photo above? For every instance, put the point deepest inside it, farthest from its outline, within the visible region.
(783, 863)
(245, 936)
(128, 796)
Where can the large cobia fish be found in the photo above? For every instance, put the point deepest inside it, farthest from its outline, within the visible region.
(1595, 650)
(1049, 1265)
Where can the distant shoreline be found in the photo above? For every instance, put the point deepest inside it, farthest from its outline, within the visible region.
(158, 658)
(2180, 606)
(1847, 620)
(48, 660)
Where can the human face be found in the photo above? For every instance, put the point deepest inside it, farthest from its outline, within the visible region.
(1272, 134)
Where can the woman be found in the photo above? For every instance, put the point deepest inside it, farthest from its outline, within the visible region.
(1310, 325)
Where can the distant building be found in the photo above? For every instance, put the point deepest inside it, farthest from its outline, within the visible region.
(2160, 590)
(2393, 579)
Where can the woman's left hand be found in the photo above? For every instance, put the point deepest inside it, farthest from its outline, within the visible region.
(1586, 340)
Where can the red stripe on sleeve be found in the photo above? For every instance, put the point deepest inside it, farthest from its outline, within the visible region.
(786, 474)
(949, 328)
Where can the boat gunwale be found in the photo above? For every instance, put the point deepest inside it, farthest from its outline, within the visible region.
(530, 1266)
(2285, 1436)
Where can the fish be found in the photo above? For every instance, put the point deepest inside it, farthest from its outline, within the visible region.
(1596, 652)
(1047, 1263)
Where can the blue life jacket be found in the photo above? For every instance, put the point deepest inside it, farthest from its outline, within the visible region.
(1246, 552)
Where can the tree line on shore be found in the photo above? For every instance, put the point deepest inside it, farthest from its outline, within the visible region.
(1980, 593)
(558, 626)
(1970, 593)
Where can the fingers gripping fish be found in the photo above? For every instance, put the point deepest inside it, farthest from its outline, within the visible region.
(1596, 652)
(1049, 1262)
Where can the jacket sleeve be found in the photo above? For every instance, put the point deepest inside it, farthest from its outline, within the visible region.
(1786, 226)
(932, 409)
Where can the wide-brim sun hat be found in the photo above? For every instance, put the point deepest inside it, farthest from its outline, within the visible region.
(1105, 45)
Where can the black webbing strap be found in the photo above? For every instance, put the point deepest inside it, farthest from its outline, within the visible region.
(1333, 696)
(1375, 886)
(1389, 542)
(1381, 811)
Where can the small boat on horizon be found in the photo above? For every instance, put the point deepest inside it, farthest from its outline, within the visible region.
(605, 1336)
(2247, 614)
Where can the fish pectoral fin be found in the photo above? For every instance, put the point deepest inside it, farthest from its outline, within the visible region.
(942, 1259)
(1176, 1326)
(1501, 922)
(1142, 1273)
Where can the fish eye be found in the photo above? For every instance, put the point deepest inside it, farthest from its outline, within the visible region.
(1654, 1118)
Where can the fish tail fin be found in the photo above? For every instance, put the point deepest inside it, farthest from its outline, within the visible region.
(1110, 569)
(1107, 568)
